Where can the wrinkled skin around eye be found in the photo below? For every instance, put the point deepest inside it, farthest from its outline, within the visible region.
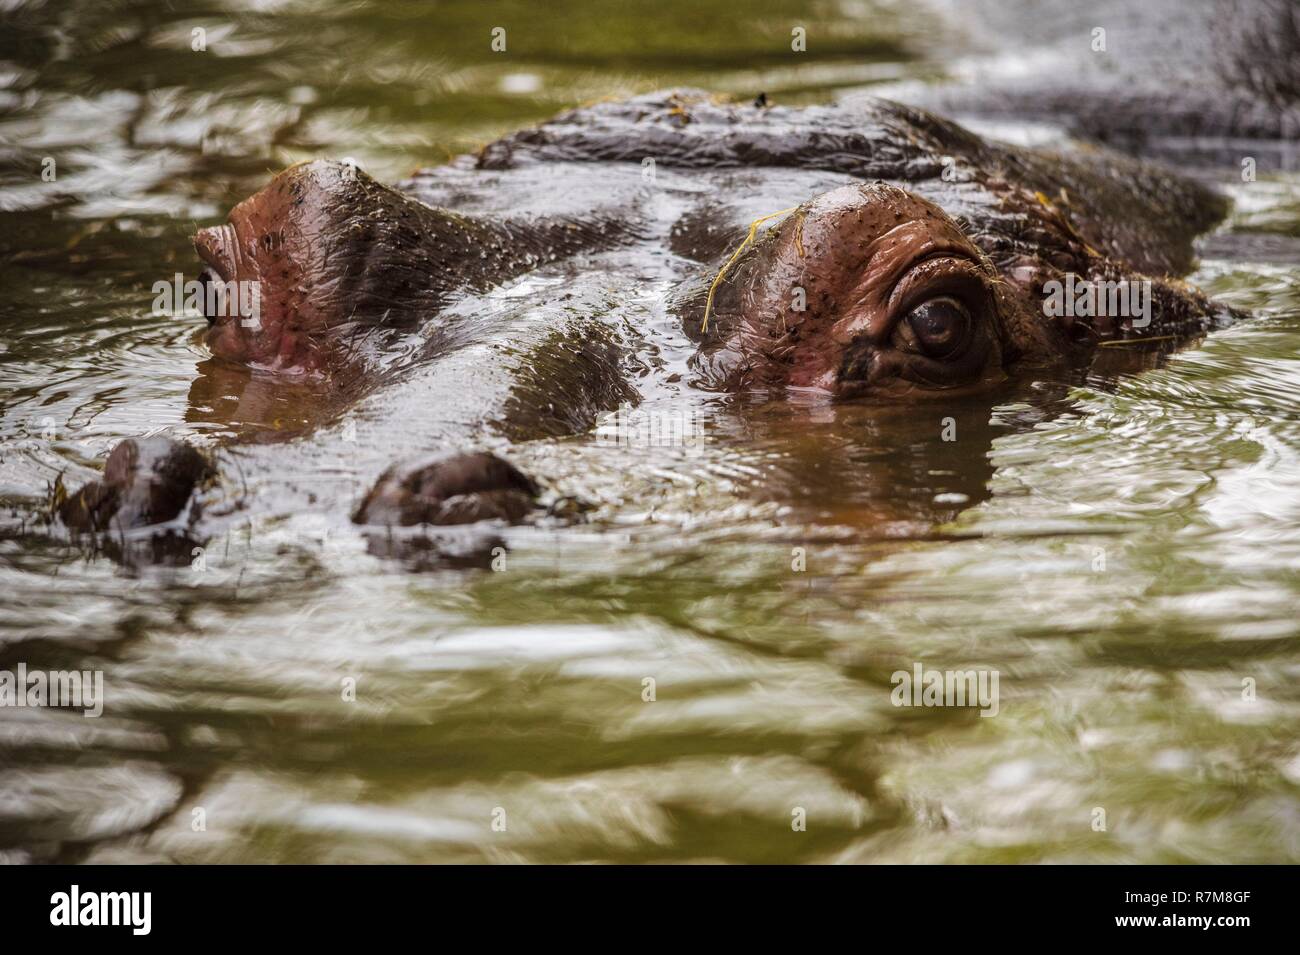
(897, 301)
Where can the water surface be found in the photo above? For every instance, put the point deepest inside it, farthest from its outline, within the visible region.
(1121, 547)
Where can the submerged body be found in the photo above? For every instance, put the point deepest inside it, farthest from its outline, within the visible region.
(875, 254)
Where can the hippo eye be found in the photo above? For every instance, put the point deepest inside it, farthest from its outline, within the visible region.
(938, 328)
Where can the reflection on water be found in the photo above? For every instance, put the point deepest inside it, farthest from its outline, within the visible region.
(1121, 548)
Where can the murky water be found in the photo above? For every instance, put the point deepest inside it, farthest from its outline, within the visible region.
(1122, 548)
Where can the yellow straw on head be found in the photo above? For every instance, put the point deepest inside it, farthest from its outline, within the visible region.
(753, 230)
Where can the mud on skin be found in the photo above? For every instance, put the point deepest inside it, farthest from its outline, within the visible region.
(920, 253)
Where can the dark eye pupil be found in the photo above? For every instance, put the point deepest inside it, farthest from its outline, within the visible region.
(940, 326)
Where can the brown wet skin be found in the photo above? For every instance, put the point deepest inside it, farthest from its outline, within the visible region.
(340, 259)
(305, 241)
(869, 290)
(882, 291)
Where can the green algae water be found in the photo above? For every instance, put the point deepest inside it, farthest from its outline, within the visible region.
(705, 670)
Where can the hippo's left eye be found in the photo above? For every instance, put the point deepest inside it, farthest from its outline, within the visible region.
(938, 328)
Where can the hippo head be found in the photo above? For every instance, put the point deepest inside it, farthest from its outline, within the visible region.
(868, 290)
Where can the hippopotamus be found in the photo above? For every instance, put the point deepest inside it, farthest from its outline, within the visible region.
(871, 254)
